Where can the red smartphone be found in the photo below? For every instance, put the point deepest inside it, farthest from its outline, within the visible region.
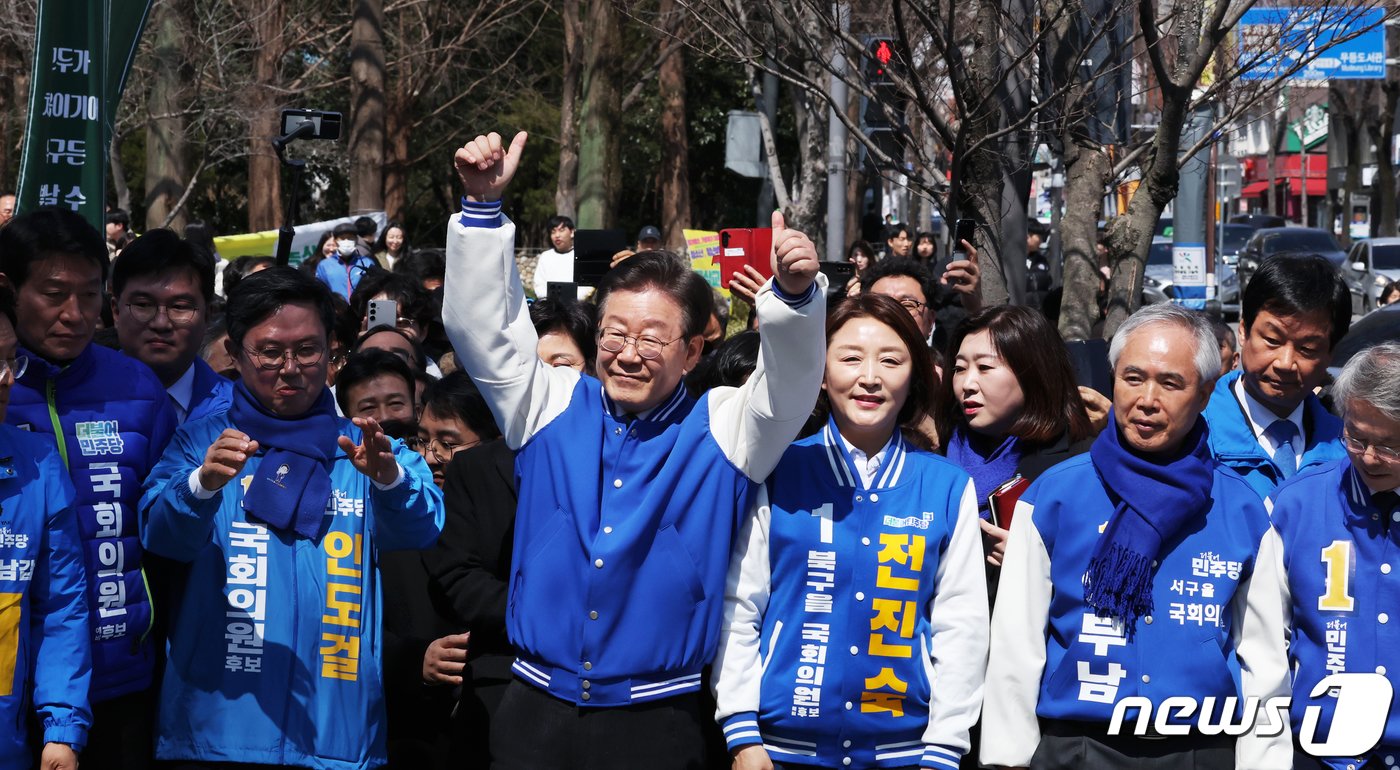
(1002, 502)
(741, 246)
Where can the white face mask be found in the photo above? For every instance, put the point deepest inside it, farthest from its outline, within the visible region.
(346, 248)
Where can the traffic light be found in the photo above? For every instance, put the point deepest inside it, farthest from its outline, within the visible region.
(883, 57)
(882, 115)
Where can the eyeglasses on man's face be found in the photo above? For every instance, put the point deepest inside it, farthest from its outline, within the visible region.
(179, 313)
(1387, 453)
(14, 367)
(439, 449)
(273, 358)
(648, 347)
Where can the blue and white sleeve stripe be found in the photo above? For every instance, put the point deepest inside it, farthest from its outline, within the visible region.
(796, 302)
(741, 730)
(485, 215)
(940, 757)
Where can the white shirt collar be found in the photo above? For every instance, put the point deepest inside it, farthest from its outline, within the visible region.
(869, 467)
(182, 392)
(1260, 418)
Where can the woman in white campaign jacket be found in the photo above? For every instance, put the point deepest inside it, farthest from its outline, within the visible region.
(858, 581)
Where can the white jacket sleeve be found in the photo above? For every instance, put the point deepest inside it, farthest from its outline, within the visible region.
(738, 666)
(1259, 632)
(957, 659)
(1018, 645)
(754, 424)
(488, 323)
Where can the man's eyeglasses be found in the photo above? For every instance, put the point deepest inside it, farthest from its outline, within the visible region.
(911, 304)
(179, 313)
(273, 359)
(613, 341)
(439, 449)
(1386, 453)
(15, 367)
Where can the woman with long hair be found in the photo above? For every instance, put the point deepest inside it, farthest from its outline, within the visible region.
(1010, 404)
(391, 246)
(855, 630)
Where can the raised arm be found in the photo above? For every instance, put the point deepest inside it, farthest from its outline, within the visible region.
(484, 306)
(755, 423)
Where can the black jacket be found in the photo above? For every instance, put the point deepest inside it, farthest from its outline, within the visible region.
(470, 567)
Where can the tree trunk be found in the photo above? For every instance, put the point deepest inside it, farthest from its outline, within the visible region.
(1383, 209)
(398, 126)
(118, 172)
(675, 143)
(167, 169)
(264, 123)
(1129, 237)
(1086, 175)
(566, 189)
(367, 107)
(600, 129)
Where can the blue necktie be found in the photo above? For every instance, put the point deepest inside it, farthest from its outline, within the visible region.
(1282, 432)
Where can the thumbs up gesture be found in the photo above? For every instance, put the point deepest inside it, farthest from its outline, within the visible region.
(794, 258)
(486, 165)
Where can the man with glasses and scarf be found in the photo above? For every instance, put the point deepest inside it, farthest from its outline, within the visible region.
(281, 510)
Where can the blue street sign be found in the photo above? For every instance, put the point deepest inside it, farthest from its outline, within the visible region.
(1348, 43)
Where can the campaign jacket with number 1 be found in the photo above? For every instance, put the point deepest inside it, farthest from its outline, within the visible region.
(856, 616)
(1340, 563)
(624, 525)
(111, 419)
(274, 654)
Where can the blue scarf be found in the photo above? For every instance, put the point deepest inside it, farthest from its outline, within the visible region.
(1155, 498)
(293, 482)
(989, 469)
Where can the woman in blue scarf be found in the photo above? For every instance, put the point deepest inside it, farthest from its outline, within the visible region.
(855, 586)
(1009, 405)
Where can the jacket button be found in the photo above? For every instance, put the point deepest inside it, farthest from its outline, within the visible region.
(859, 498)
(1381, 670)
(846, 761)
(1148, 620)
(1383, 618)
(617, 483)
(1385, 569)
(593, 615)
(587, 684)
(845, 744)
(586, 696)
(874, 498)
(587, 666)
(865, 541)
(855, 650)
(607, 530)
(598, 563)
(860, 596)
(1146, 679)
(848, 705)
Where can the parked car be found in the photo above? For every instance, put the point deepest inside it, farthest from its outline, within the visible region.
(1369, 267)
(1256, 221)
(1268, 241)
(1233, 237)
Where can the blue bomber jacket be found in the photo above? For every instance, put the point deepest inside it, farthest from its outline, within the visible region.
(45, 649)
(1342, 593)
(625, 522)
(274, 653)
(856, 615)
(1215, 630)
(111, 419)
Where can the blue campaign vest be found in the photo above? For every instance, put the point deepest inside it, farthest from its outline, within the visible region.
(846, 636)
(212, 393)
(113, 419)
(1343, 565)
(622, 539)
(274, 654)
(1183, 648)
(1235, 446)
(39, 558)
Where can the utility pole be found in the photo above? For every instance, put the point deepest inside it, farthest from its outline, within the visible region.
(836, 145)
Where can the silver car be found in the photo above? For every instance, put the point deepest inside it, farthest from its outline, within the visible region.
(1369, 267)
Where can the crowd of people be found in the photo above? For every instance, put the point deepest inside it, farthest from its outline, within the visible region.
(386, 508)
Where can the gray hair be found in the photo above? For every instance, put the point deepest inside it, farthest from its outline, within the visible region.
(1372, 376)
(1200, 327)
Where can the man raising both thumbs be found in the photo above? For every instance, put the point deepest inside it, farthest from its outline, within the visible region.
(630, 490)
(281, 508)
